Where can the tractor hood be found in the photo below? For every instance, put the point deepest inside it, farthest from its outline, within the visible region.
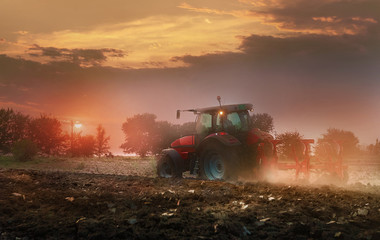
(187, 141)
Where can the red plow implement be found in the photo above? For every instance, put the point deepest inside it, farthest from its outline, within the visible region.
(303, 162)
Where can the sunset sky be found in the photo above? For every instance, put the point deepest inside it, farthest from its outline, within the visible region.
(311, 64)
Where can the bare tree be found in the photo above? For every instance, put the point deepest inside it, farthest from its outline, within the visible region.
(101, 142)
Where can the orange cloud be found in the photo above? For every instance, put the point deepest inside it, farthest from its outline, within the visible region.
(148, 43)
(327, 19)
(369, 20)
(235, 13)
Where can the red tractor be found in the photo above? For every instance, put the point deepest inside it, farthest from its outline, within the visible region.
(223, 147)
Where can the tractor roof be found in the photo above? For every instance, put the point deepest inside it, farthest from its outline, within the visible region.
(228, 108)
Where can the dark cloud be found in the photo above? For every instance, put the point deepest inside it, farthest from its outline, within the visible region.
(322, 48)
(315, 16)
(11, 69)
(48, 51)
(78, 56)
(315, 53)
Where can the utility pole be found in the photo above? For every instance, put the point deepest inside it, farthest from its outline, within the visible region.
(72, 138)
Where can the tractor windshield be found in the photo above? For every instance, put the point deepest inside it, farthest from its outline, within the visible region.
(233, 121)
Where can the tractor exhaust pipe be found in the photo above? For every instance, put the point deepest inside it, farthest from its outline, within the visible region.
(219, 100)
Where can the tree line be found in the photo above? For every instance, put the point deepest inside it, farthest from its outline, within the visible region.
(23, 135)
(26, 136)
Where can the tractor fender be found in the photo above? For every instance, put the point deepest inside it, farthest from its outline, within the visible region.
(222, 138)
(178, 161)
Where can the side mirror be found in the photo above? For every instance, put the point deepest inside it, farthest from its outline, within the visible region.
(178, 114)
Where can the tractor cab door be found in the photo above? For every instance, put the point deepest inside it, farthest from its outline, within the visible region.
(203, 127)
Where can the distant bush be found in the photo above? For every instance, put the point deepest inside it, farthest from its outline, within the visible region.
(290, 145)
(24, 150)
(262, 121)
(328, 144)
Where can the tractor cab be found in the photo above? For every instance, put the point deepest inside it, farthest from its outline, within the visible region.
(231, 119)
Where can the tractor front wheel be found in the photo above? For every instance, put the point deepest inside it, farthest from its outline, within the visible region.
(166, 168)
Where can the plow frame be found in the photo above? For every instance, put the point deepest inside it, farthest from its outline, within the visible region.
(303, 164)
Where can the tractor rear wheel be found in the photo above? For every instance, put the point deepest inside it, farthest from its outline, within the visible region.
(166, 168)
(217, 163)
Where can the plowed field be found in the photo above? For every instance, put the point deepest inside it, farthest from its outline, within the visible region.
(38, 204)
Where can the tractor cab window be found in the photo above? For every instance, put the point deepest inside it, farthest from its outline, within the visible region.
(232, 122)
(245, 120)
(204, 123)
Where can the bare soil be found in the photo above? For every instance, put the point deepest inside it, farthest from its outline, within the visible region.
(40, 204)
